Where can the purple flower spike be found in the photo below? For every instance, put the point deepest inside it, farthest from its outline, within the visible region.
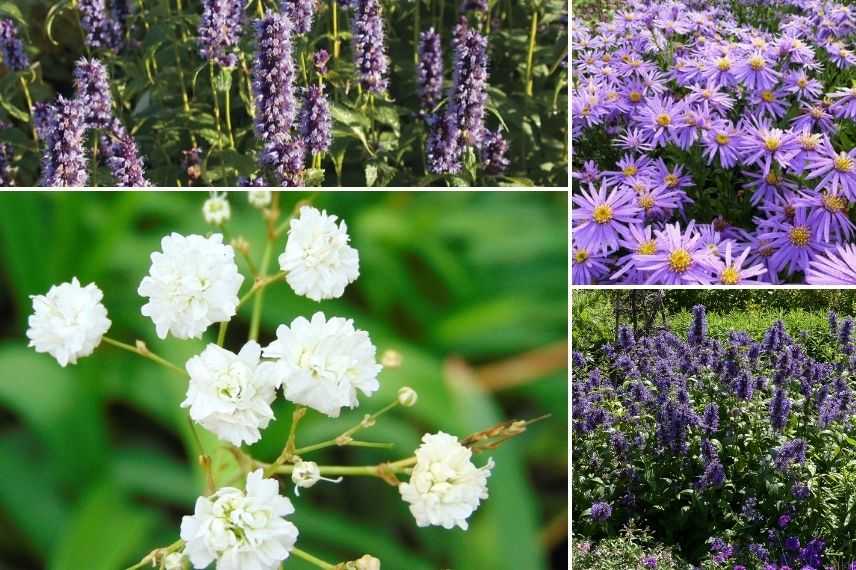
(474, 6)
(600, 511)
(315, 120)
(285, 159)
(300, 12)
(369, 45)
(493, 153)
(93, 89)
(442, 148)
(42, 118)
(430, 68)
(319, 60)
(99, 29)
(469, 84)
(64, 162)
(11, 47)
(220, 31)
(273, 79)
(123, 159)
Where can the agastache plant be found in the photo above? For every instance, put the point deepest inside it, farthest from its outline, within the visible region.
(430, 70)
(11, 48)
(92, 87)
(100, 31)
(273, 79)
(220, 31)
(369, 45)
(64, 160)
(301, 13)
(314, 121)
(468, 96)
(321, 364)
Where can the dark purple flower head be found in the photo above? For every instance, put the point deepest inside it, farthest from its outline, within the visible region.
(42, 118)
(319, 60)
(713, 476)
(792, 543)
(124, 160)
(442, 148)
(11, 48)
(600, 511)
(469, 84)
(780, 407)
(430, 71)
(710, 418)
(789, 453)
(784, 520)
(649, 561)
(285, 159)
(492, 153)
(93, 89)
(273, 79)
(314, 121)
(100, 31)
(832, 318)
(121, 11)
(800, 491)
(220, 31)
(369, 45)
(698, 328)
(300, 12)
(64, 161)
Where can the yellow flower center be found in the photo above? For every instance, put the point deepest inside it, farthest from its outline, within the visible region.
(790, 211)
(773, 179)
(809, 141)
(767, 96)
(843, 163)
(722, 138)
(772, 142)
(816, 112)
(602, 214)
(756, 62)
(630, 170)
(680, 260)
(581, 256)
(706, 93)
(647, 247)
(802, 81)
(646, 202)
(635, 96)
(664, 120)
(834, 203)
(723, 64)
(730, 276)
(671, 180)
(800, 236)
(586, 111)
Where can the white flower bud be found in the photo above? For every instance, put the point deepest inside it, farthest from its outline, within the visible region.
(216, 209)
(368, 563)
(259, 198)
(407, 396)
(305, 474)
(391, 359)
(174, 561)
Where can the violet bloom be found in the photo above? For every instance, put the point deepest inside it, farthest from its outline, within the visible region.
(314, 120)
(588, 266)
(658, 119)
(730, 270)
(844, 106)
(11, 48)
(252, 182)
(789, 453)
(468, 95)
(220, 31)
(285, 159)
(319, 61)
(599, 217)
(813, 117)
(430, 71)
(442, 147)
(765, 146)
(724, 140)
(720, 72)
(300, 12)
(837, 171)
(600, 511)
(92, 87)
(273, 79)
(829, 213)
(369, 45)
(492, 153)
(680, 258)
(780, 407)
(100, 31)
(64, 161)
(756, 73)
(803, 87)
(589, 173)
(123, 159)
(770, 102)
(698, 330)
(833, 267)
(639, 241)
(796, 244)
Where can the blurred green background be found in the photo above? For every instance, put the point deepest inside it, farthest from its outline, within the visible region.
(98, 463)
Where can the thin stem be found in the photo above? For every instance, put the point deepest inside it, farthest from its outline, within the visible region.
(335, 16)
(216, 104)
(337, 442)
(221, 334)
(95, 159)
(311, 559)
(356, 470)
(152, 556)
(416, 26)
(530, 57)
(255, 320)
(229, 114)
(144, 351)
(26, 87)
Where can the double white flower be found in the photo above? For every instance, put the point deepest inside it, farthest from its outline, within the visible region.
(241, 530)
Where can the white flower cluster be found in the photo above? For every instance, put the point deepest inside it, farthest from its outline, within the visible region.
(445, 488)
(68, 322)
(317, 260)
(192, 284)
(241, 530)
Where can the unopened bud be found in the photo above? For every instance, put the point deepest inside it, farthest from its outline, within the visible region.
(368, 421)
(241, 245)
(305, 474)
(365, 563)
(259, 198)
(391, 359)
(407, 396)
(174, 561)
(216, 209)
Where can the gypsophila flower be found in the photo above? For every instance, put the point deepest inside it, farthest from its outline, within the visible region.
(369, 44)
(314, 120)
(230, 394)
(11, 48)
(220, 31)
(430, 71)
(216, 209)
(192, 283)
(68, 322)
(324, 362)
(240, 529)
(445, 487)
(259, 198)
(305, 474)
(407, 396)
(318, 261)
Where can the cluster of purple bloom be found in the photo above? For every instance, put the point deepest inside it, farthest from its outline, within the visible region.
(691, 405)
(682, 89)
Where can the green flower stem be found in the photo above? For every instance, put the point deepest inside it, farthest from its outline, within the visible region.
(25, 86)
(229, 114)
(416, 29)
(216, 105)
(221, 334)
(337, 442)
(311, 559)
(359, 470)
(335, 17)
(255, 320)
(530, 57)
(144, 351)
(157, 554)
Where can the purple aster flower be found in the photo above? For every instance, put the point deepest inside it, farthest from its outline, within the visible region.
(720, 71)
(598, 217)
(796, 244)
(220, 31)
(469, 84)
(789, 453)
(771, 102)
(730, 271)
(836, 266)
(630, 168)
(724, 140)
(840, 55)
(99, 29)
(716, 100)
(589, 173)
(11, 48)
(765, 146)
(64, 161)
(430, 71)
(600, 511)
(805, 88)
(813, 117)
(588, 267)
(829, 213)
(836, 170)
(273, 79)
(285, 159)
(442, 145)
(92, 87)
(680, 258)
(300, 12)
(844, 106)
(658, 119)
(124, 161)
(319, 60)
(369, 45)
(638, 240)
(492, 153)
(314, 120)
(633, 140)
(755, 72)
(809, 144)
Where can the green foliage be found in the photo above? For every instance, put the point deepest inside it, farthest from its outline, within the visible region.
(627, 551)
(100, 464)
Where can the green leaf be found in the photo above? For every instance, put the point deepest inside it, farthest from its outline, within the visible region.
(13, 11)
